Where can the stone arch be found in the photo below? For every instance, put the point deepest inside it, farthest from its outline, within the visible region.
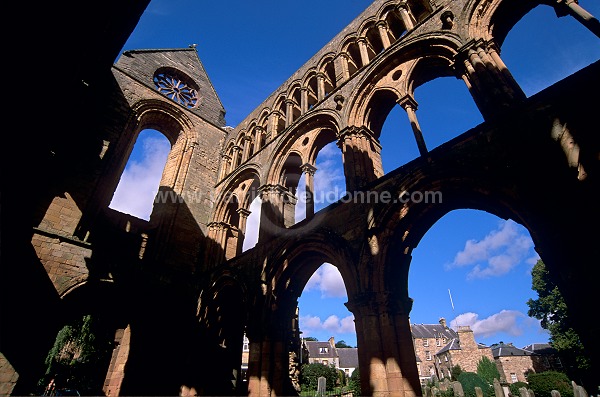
(311, 85)
(399, 228)
(492, 20)
(370, 32)
(328, 69)
(227, 228)
(389, 83)
(321, 120)
(352, 55)
(395, 26)
(293, 103)
(171, 122)
(297, 259)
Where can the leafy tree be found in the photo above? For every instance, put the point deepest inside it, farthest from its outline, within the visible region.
(470, 380)
(455, 372)
(79, 356)
(514, 388)
(487, 370)
(310, 373)
(342, 344)
(311, 338)
(543, 383)
(354, 383)
(552, 310)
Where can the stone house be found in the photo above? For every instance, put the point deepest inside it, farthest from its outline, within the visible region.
(462, 351)
(344, 359)
(513, 363)
(544, 357)
(428, 339)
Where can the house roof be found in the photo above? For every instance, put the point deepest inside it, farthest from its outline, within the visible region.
(504, 350)
(432, 331)
(348, 357)
(454, 344)
(540, 348)
(315, 349)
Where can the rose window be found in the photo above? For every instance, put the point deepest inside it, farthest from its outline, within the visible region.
(172, 86)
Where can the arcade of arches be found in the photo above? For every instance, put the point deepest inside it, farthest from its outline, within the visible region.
(180, 291)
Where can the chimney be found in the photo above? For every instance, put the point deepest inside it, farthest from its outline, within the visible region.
(332, 342)
(443, 322)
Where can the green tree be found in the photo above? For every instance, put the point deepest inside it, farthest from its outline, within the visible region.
(487, 370)
(80, 356)
(470, 380)
(455, 372)
(311, 338)
(552, 310)
(354, 383)
(342, 344)
(310, 373)
(543, 383)
(514, 388)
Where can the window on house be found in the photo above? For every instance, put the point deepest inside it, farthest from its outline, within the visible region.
(428, 355)
(513, 377)
(323, 350)
(444, 340)
(425, 342)
(438, 342)
(325, 362)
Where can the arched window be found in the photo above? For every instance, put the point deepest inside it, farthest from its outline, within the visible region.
(141, 177)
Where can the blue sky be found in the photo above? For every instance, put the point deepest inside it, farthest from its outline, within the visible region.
(471, 268)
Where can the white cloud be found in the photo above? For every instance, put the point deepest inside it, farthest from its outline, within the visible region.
(498, 253)
(252, 225)
(506, 321)
(140, 180)
(329, 181)
(328, 280)
(333, 324)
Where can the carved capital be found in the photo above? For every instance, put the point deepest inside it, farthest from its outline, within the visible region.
(407, 101)
(308, 168)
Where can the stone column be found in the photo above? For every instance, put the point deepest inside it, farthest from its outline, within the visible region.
(309, 172)
(258, 138)
(387, 360)
(572, 7)
(272, 124)
(225, 163)
(341, 67)
(243, 213)
(361, 156)
(362, 46)
(491, 84)
(217, 240)
(289, 112)
(383, 33)
(495, 55)
(405, 15)
(303, 100)
(246, 151)
(320, 86)
(235, 161)
(272, 211)
(116, 369)
(410, 106)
